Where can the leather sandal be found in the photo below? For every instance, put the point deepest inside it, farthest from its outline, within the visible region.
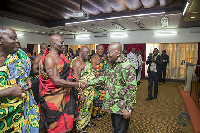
(98, 118)
(91, 125)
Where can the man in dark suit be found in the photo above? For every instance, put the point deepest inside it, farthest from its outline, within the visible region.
(165, 60)
(154, 70)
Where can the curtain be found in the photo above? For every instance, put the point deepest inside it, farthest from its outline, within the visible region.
(178, 52)
(138, 47)
(75, 47)
(105, 48)
(149, 49)
(35, 48)
(198, 62)
(30, 48)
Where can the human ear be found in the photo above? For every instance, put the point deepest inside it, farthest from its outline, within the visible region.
(1, 40)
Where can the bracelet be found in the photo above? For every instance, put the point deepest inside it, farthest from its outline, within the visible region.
(80, 93)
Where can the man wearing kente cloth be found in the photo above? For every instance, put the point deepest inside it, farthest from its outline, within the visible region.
(83, 72)
(120, 83)
(57, 95)
(18, 110)
(99, 64)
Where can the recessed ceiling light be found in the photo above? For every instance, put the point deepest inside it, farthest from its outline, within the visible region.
(192, 17)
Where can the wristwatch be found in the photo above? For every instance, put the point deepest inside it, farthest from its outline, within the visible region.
(129, 111)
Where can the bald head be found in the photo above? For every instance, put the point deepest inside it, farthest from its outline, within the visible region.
(5, 30)
(114, 51)
(84, 52)
(7, 40)
(57, 43)
(43, 47)
(116, 46)
(55, 39)
(83, 48)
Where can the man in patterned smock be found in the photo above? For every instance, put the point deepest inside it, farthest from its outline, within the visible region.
(83, 72)
(99, 64)
(120, 88)
(18, 110)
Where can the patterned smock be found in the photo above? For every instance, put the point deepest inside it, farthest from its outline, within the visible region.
(99, 91)
(85, 110)
(120, 86)
(17, 114)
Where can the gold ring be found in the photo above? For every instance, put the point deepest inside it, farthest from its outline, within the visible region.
(23, 95)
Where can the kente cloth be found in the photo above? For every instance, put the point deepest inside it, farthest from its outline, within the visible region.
(99, 91)
(58, 105)
(17, 114)
(85, 109)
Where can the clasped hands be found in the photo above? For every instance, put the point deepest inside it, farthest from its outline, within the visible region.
(82, 86)
(18, 90)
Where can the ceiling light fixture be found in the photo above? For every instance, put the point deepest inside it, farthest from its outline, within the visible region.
(83, 36)
(115, 24)
(99, 27)
(83, 29)
(20, 34)
(166, 33)
(192, 17)
(118, 35)
(140, 24)
(149, 14)
(164, 22)
(86, 21)
(114, 18)
(187, 4)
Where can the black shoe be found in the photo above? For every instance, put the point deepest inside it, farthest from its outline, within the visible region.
(163, 81)
(138, 83)
(155, 96)
(149, 98)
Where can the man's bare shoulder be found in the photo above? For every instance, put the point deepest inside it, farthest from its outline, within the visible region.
(94, 57)
(50, 59)
(76, 62)
(37, 58)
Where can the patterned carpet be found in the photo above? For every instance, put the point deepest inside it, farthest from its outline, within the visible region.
(160, 115)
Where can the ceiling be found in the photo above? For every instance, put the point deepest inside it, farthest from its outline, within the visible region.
(56, 17)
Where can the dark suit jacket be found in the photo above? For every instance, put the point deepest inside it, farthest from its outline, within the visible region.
(158, 64)
(165, 57)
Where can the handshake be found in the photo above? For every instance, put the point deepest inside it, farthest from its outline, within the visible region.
(82, 85)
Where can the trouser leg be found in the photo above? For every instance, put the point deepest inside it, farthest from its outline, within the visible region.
(150, 79)
(164, 74)
(119, 123)
(156, 78)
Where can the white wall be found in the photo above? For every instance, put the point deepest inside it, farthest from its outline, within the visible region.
(142, 36)
(32, 38)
